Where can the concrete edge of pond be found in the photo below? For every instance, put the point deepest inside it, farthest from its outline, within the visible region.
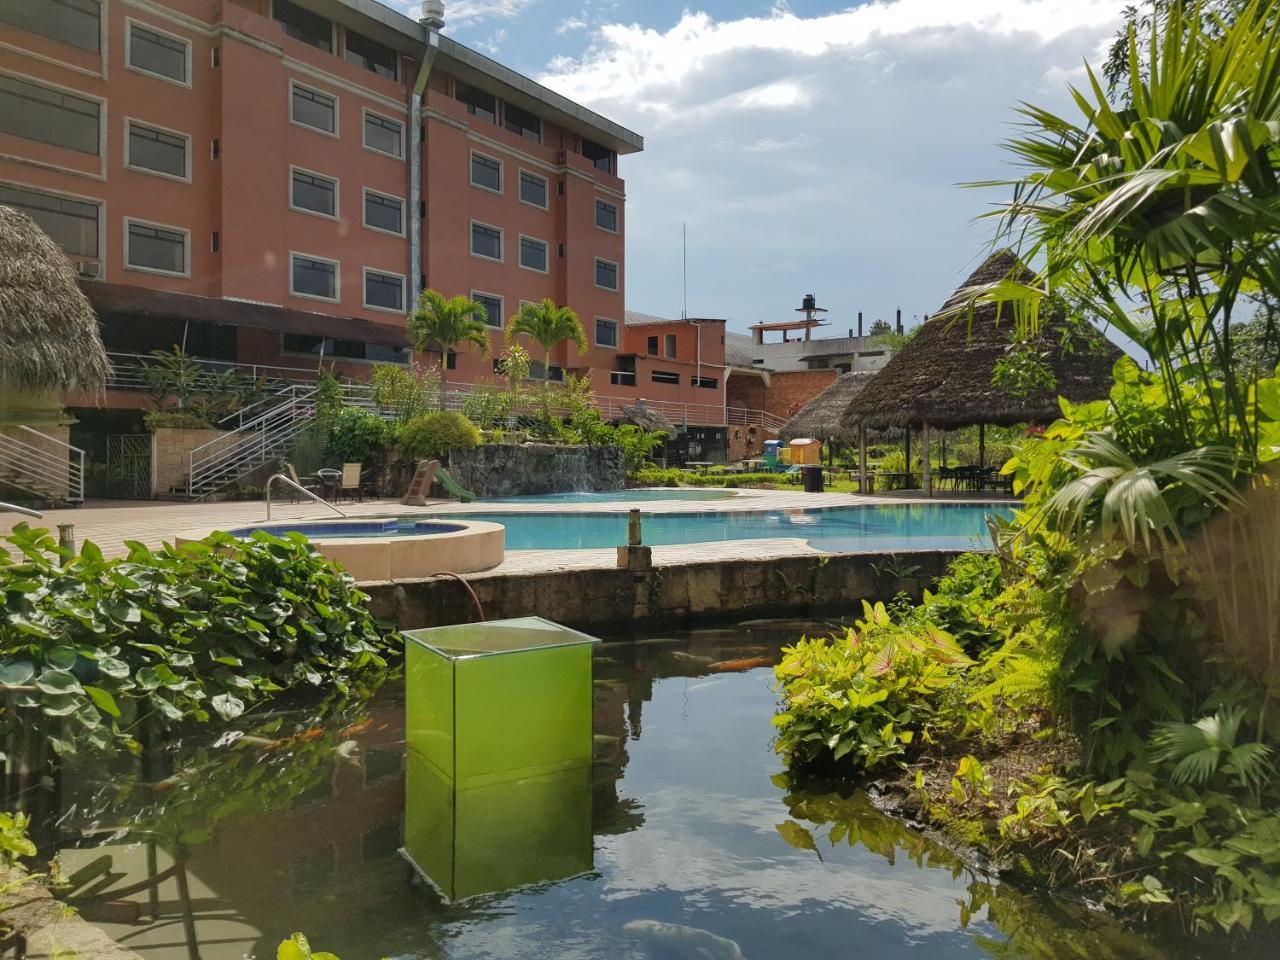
(614, 599)
(44, 927)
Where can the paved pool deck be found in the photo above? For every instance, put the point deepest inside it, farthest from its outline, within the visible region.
(110, 523)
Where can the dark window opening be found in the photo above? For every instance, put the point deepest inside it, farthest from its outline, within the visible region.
(310, 28)
(344, 349)
(371, 55)
(478, 103)
(521, 121)
(651, 346)
(492, 308)
(664, 376)
(601, 157)
(606, 274)
(606, 332)
(709, 383)
(606, 216)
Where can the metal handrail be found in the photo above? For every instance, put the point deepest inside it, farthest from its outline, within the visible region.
(70, 465)
(14, 508)
(301, 489)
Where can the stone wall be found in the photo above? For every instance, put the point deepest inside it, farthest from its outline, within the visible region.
(614, 600)
(511, 470)
(171, 455)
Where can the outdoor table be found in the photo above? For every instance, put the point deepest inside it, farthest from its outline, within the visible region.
(702, 466)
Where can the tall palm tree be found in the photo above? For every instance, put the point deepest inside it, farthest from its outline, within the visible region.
(549, 325)
(447, 324)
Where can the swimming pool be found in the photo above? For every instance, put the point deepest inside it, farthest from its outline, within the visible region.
(918, 526)
(613, 496)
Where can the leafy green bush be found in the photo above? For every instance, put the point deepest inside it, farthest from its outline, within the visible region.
(433, 435)
(357, 435)
(175, 419)
(672, 477)
(179, 633)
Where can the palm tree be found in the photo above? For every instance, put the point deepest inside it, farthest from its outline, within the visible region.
(549, 325)
(447, 324)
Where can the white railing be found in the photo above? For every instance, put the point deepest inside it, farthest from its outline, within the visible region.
(44, 466)
(128, 371)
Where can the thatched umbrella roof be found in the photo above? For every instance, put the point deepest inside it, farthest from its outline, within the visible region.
(647, 419)
(49, 337)
(825, 417)
(943, 375)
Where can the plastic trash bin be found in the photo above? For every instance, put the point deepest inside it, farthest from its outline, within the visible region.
(812, 476)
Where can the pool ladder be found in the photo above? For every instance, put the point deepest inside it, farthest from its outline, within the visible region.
(302, 490)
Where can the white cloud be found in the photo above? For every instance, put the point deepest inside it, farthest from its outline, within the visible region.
(493, 44)
(821, 153)
(569, 24)
(462, 12)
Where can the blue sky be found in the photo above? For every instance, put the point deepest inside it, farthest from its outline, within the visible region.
(810, 146)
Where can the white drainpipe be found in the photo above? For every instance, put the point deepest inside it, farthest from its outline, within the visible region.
(415, 157)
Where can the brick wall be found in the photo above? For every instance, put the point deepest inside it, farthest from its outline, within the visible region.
(791, 390)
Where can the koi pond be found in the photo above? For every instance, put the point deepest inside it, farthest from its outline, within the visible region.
(696, 846)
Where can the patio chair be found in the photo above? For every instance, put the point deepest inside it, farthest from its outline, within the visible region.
(351, 481)
(310, 483)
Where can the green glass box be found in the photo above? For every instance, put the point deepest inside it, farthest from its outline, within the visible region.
(497, 836)
(486, 702)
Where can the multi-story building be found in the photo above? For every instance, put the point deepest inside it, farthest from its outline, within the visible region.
(271, 182)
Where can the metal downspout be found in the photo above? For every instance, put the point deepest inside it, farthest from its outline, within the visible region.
(432, 41)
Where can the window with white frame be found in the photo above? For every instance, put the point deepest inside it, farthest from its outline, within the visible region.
(486, 172)
(77, 22)
(606, 332)
(384, 212)
(486, 241)
(50, 116)
(72, 224)
(384, 135)
(313, 277)
(383, 291)
(533, 254)
(313, 193)
(492, 307)
(159, 54)
(314, 109)
(606, 274)
(607, 216)
(158, 151)
(149, 246)
(533, 189)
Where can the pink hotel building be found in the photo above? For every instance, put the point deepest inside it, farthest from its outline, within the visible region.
(269, 181)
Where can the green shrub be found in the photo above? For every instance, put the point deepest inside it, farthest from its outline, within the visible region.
(357, 435)
(433, 435)
(175, 419)
(175, 634)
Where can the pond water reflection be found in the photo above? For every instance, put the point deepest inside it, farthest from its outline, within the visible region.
(700, 849)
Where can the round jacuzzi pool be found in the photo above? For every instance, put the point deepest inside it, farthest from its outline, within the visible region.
(391, 548)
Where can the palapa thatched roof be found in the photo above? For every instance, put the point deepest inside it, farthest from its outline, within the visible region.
(647, 419)
(49, 337)
(943, 375)
(825, 417)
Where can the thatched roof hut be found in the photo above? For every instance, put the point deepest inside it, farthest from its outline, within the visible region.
(49, 337)
(647, 419)
(825, 417)
(943, 375)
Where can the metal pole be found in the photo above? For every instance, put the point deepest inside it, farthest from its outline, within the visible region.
(925, 467)
(67, 537)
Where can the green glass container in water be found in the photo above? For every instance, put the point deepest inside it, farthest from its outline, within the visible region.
(486, 702)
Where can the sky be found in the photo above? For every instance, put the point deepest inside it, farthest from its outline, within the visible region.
(807, 146)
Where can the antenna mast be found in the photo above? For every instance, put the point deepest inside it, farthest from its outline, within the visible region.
(684, 264)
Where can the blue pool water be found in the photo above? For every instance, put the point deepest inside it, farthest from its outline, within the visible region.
(612, 496)
(875, 527)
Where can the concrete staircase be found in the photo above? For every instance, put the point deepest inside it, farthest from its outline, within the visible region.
(40, 468)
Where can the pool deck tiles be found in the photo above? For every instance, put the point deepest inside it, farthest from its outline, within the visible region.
(110, 523)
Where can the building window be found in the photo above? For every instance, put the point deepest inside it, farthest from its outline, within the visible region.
(651, 346)
(486, 241)
(486, 172)
(151, 247)
(533, 254)
(383, 291)
(607, 216)
(606, 332)
(522, 122)
(492, 308)
(314, 109)
(606, 274)
(313, 193)
(536, 368)
(384, 135)
(708, 383)
(669, 345)
(533, 189)
(371, 55)
(158, 54)
(72, 224)
(344, 349)
(38, 113)
(451, 360)
(478, 103)
(664, 376)
(77, 22)
(313, 277)
(601, 157)
(303, 25)
(157, 151)
(383, 212)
